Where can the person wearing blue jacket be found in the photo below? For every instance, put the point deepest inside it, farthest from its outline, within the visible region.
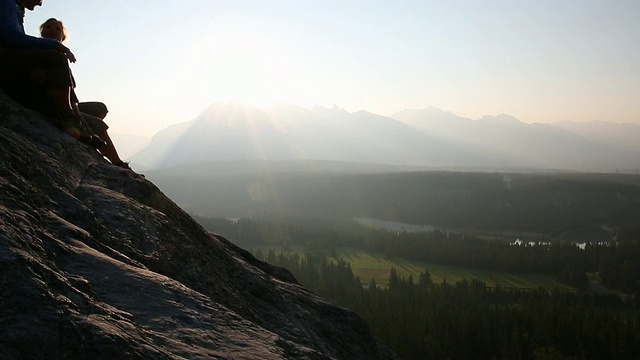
(35, 71)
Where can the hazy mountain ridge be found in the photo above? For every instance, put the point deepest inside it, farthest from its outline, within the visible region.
(97, 262)
(234, 132)
(429, 137)
(624, 136)
(540, 146)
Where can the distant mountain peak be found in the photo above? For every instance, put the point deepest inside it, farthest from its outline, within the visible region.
(436, 109)
(500, 119)
(365, 112)
(431, 111)
(332, 110)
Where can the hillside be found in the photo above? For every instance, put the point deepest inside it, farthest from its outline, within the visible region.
(97, 263)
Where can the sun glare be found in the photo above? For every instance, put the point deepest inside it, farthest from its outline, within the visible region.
(246, 67)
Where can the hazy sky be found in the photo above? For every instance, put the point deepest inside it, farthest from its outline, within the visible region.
(160, 62)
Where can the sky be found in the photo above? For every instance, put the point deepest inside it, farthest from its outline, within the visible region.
(157, 63)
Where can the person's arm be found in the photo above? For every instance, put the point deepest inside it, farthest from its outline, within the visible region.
(12, 32)
(67, 52)
(73, 98)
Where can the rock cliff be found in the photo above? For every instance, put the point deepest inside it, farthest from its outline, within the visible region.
(97, 263)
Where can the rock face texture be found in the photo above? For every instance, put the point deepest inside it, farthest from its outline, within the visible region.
(97, 263)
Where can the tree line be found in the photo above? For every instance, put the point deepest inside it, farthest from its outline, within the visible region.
(615, 262)
(469, 320)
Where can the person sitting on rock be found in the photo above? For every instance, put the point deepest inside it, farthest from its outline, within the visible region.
(92, 112)
(35, 72)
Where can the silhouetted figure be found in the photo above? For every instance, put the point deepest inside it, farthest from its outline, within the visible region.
(92, 112)
(35, 71)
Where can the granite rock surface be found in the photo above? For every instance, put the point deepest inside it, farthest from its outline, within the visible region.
(97, 263)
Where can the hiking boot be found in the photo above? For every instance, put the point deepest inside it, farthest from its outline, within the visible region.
(125, 165)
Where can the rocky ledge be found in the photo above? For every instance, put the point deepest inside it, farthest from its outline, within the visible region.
(97, 263)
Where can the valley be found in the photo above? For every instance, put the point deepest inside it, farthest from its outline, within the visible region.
(446, 295)
(545, 203)
(369, 266)
(440, 264)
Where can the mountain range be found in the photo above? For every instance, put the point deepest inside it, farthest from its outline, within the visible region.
(430, 138)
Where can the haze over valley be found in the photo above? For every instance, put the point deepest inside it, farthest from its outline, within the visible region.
(430, 138)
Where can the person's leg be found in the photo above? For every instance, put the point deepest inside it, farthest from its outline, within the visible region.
(100, 128)
(41, 80)
(94, 108)
(109, 151)
(94, 112)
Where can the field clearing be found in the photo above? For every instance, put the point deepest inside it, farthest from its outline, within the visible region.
(367, 265)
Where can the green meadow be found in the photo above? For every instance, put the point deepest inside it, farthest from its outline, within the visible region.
(367, 265)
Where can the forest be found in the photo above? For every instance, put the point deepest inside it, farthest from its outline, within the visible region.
(614, 262)
(549, 203)
(466, 320)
